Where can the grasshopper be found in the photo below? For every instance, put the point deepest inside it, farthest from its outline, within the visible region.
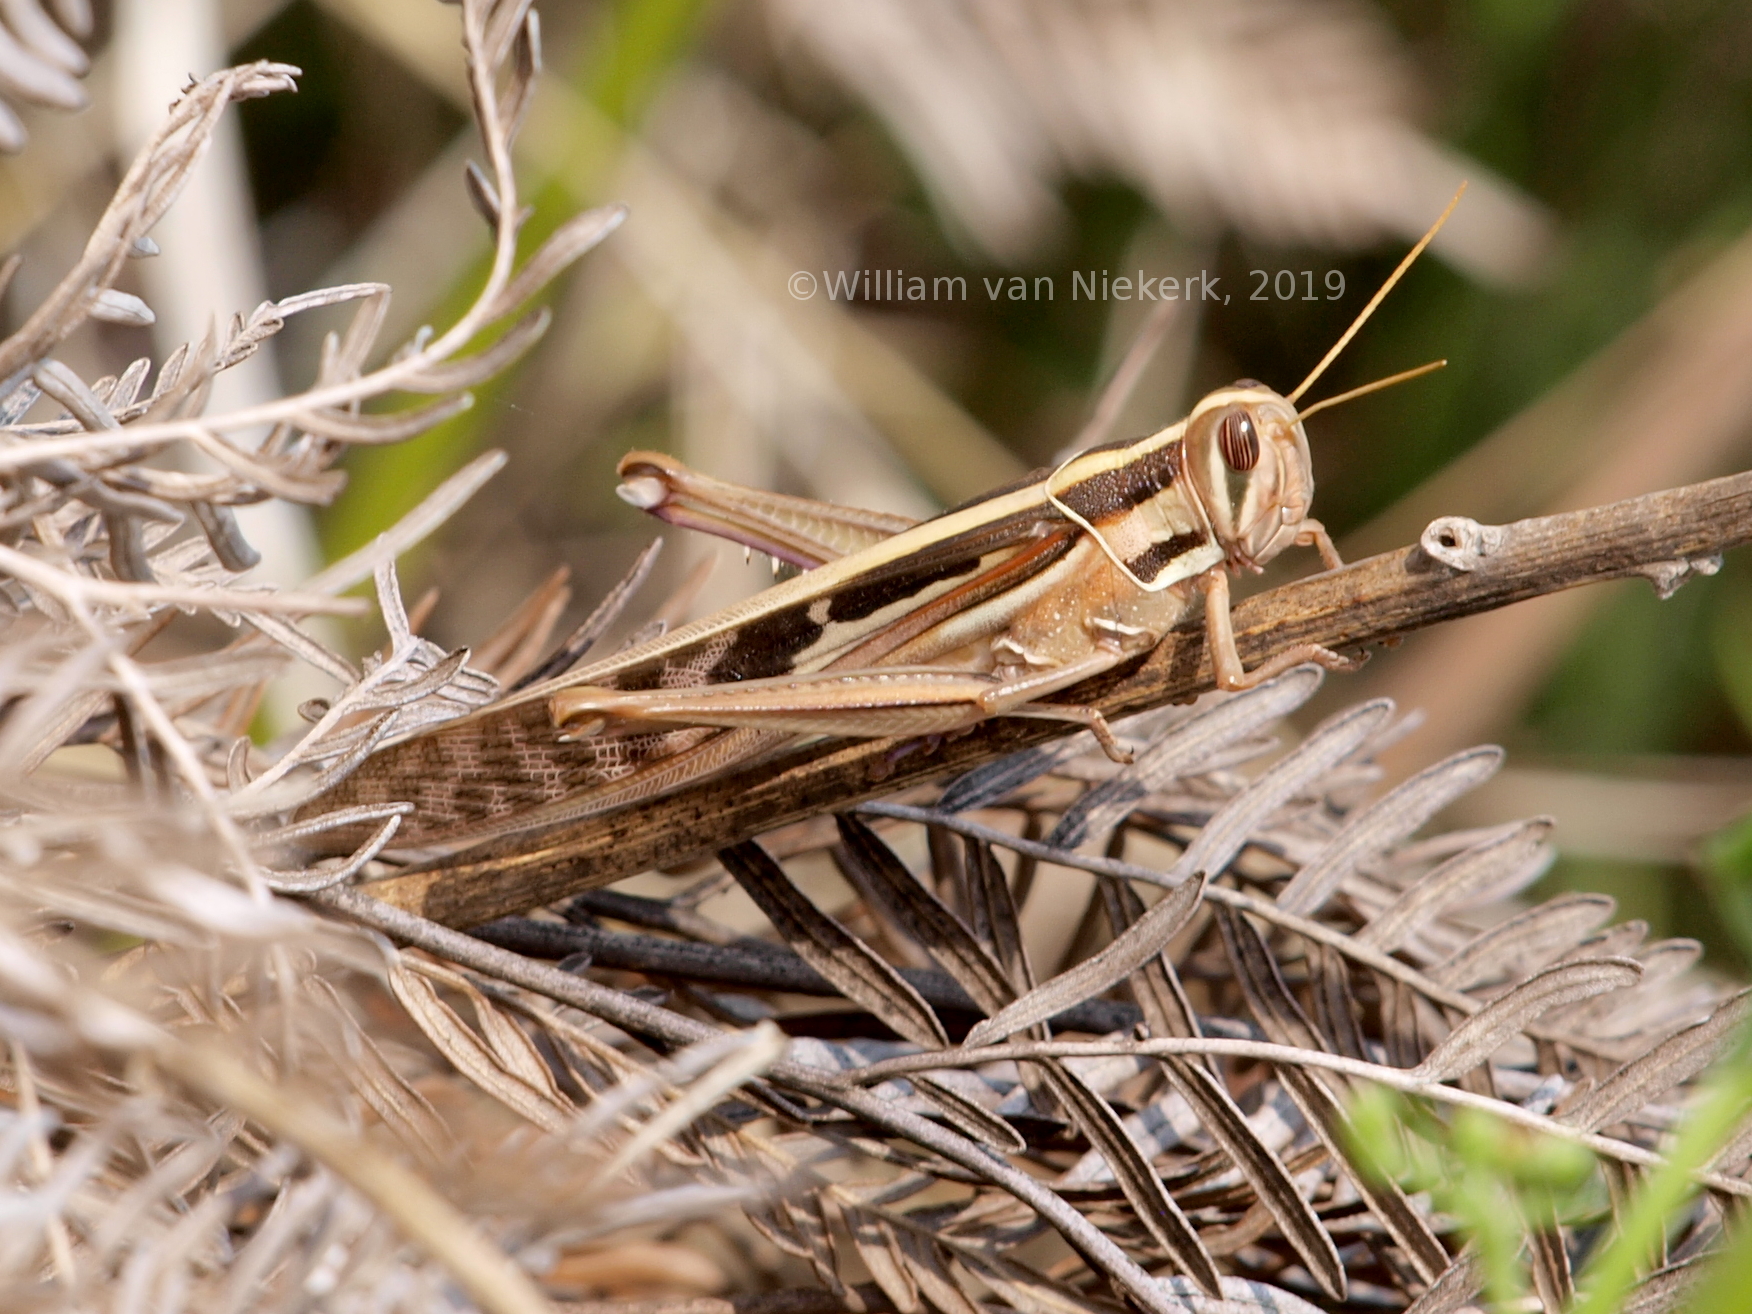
(894, 627)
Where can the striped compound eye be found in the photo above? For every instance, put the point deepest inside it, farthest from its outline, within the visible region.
(1238, 440)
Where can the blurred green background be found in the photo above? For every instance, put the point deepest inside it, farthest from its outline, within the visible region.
(1593, 297)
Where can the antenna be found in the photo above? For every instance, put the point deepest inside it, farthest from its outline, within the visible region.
(1404, 376)
(1376, 300)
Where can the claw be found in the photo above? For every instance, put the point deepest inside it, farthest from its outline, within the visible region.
(1103, 733)
(1337, 661)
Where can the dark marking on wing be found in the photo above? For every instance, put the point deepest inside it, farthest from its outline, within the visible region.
(1156, 558)
(1114, 492)
(1009, 573)
(896, 583)
(767, 647)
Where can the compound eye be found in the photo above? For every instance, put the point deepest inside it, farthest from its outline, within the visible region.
(1238, 440)
(1247, 383)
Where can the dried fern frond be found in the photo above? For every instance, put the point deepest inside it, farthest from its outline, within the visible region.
(1304, 945)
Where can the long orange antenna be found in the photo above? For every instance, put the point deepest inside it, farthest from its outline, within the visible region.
(1376, 300)
(1404, 376)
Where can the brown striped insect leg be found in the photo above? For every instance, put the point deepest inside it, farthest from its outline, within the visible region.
(1226, 658)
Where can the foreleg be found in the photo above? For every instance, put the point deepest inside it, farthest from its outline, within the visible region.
(1313, 534)
(1226, 658)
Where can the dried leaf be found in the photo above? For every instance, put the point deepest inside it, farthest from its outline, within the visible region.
(512, 647)
(1384, 823)
(1400, 1031)
(1264, 1171)
(1282, 1019)
(1488, 1030)
(924, 1261)
(469, 371)
(886, 881)
(1143, 940)
(1524, 942)
(1517, 856)
(1155, 1208)
(970, 1119)
(1665, 1290)
(482, 193)
(1458, 1284)
(832, 950)
(1238, 820)
(1384, 1198)
(124, 308)
(403, 1109)
(1256, 972)
(1677, 1059)
(986, 784)
(1650, 1002)
(376, 430)
(219, 524)
(1552, 1280)
(469, 1054)
(1156, 985)
(988, 897)
(1334, 1006)
(1022, 1290)
(569, 241)
(736, 1058)
(880, 1250)
(512, 1047)
(437, 507)
(581, 640)
(777, 1226)
(811, 1229)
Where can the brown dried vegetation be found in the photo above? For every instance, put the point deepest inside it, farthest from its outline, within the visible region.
(1051, 1036)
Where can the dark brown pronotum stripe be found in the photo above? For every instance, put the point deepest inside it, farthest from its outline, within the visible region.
(1364, 603)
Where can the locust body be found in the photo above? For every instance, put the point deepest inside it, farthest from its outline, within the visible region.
(892, 629)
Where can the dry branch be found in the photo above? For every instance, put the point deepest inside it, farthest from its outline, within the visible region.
(1659, 536)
